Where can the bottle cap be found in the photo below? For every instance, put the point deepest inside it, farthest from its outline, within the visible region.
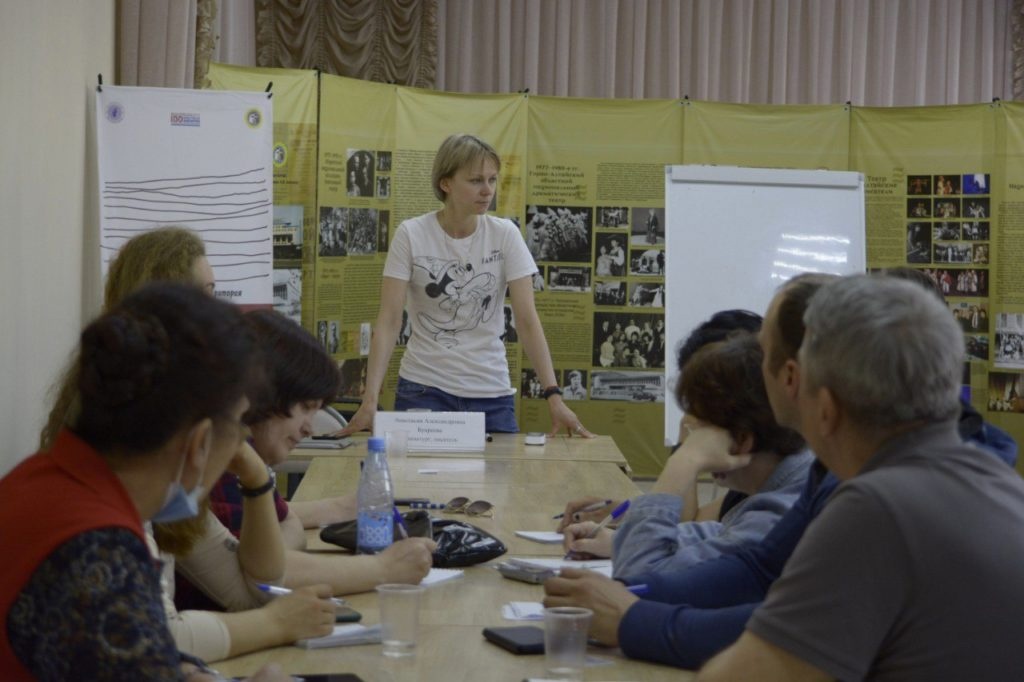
(376, 443)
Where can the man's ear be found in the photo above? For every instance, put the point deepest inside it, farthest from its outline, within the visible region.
(197, 452)
(829, 413)
(743, 444)
(791, 378)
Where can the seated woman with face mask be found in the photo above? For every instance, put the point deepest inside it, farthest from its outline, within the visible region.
(160, 388)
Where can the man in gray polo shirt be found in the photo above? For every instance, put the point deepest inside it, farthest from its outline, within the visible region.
(915, 569)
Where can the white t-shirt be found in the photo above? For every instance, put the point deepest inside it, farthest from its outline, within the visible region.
(455, 297)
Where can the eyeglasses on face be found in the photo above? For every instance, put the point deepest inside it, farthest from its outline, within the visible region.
(462, 505)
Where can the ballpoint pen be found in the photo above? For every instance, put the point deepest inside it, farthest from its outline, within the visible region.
(400, 522)
(284, 591)
(589, 508)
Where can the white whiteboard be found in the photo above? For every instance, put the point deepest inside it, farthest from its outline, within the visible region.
(733, 235)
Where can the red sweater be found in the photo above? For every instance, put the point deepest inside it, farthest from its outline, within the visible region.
(47, 500)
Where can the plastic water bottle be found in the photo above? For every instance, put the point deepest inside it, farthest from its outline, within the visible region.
(376, 500)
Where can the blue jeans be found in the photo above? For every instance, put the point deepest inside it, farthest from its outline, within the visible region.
(499, 413)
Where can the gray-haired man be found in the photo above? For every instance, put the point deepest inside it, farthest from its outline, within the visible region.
(913, 569)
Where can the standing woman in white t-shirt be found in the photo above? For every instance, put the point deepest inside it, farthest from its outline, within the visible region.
(449, 269)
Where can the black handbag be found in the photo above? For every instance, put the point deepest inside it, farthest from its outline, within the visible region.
(458, 543)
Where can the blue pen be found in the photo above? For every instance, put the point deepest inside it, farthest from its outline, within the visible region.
(639, 590)
(400, 522)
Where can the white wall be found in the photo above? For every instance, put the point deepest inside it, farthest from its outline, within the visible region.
(50, 53)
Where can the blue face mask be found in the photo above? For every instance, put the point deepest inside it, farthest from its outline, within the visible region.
(178, 504)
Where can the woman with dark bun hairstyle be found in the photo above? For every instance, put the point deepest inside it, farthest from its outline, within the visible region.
(161, 385)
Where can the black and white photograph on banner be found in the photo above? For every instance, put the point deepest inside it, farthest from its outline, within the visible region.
(559, 233)
(647, 295)
(1009, 340)
(977, 347)
(976, 183)
(629, 340)
(288, 293)
(977, 208)
(361, 234)
(919, 242)
(509, 335)
(946, 185)
(647, 262)
(648, 226)
(1005, 392)
(612, 217)
(980, 254)
(610, 293)
(609, 256)
(972, 317)
(359, 173)
(288, 232)
(384, 187)
(919, 208)
(383, 221)
(944, 207)
(384, 161)
(321, 332)
(960, 282)
(538, 279)
(919, 184)
(353, 380)
(976, 231)
(333, 221)
(530, 386)
(332, 337)
(572, 278)
(634, 387)
(945, 231)
(575, 387)
(958, 254)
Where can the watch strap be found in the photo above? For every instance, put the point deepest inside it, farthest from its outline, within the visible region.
(263, 489)
(550, 391)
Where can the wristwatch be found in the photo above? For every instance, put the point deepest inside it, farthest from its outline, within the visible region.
(550, 391)
(263, 489)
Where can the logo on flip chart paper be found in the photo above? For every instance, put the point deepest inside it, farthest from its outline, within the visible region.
(115, 112)
(190, 120)
(253, 118)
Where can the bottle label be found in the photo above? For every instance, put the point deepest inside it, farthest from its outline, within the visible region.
(376, 531)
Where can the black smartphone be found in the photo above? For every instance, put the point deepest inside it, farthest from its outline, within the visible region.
(332, 677)
(519, 639)
(406, 501)
(346, 614)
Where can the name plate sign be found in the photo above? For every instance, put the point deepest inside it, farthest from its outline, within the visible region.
(435, 431)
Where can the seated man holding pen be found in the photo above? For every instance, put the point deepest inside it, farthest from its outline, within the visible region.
(690, 615)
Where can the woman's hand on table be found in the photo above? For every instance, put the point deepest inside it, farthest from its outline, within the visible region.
(577, 540)
(564, 418)
(407, 561)
(576, 511)
(306, 612)
(362, 420)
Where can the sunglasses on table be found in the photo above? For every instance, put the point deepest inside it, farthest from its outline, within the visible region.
(458, 505)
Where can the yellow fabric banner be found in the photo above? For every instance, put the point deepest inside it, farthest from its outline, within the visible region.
(294, 96)
(595, 224)
(806, 137)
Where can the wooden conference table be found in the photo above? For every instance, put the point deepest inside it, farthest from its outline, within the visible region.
(526, 494)
(502, 446)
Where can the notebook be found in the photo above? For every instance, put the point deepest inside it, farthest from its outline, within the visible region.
(344, 635)
(440, 575)
(546, 537)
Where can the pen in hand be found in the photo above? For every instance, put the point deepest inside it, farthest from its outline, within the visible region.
(282, 591)
(614, 516)
(589, 508)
